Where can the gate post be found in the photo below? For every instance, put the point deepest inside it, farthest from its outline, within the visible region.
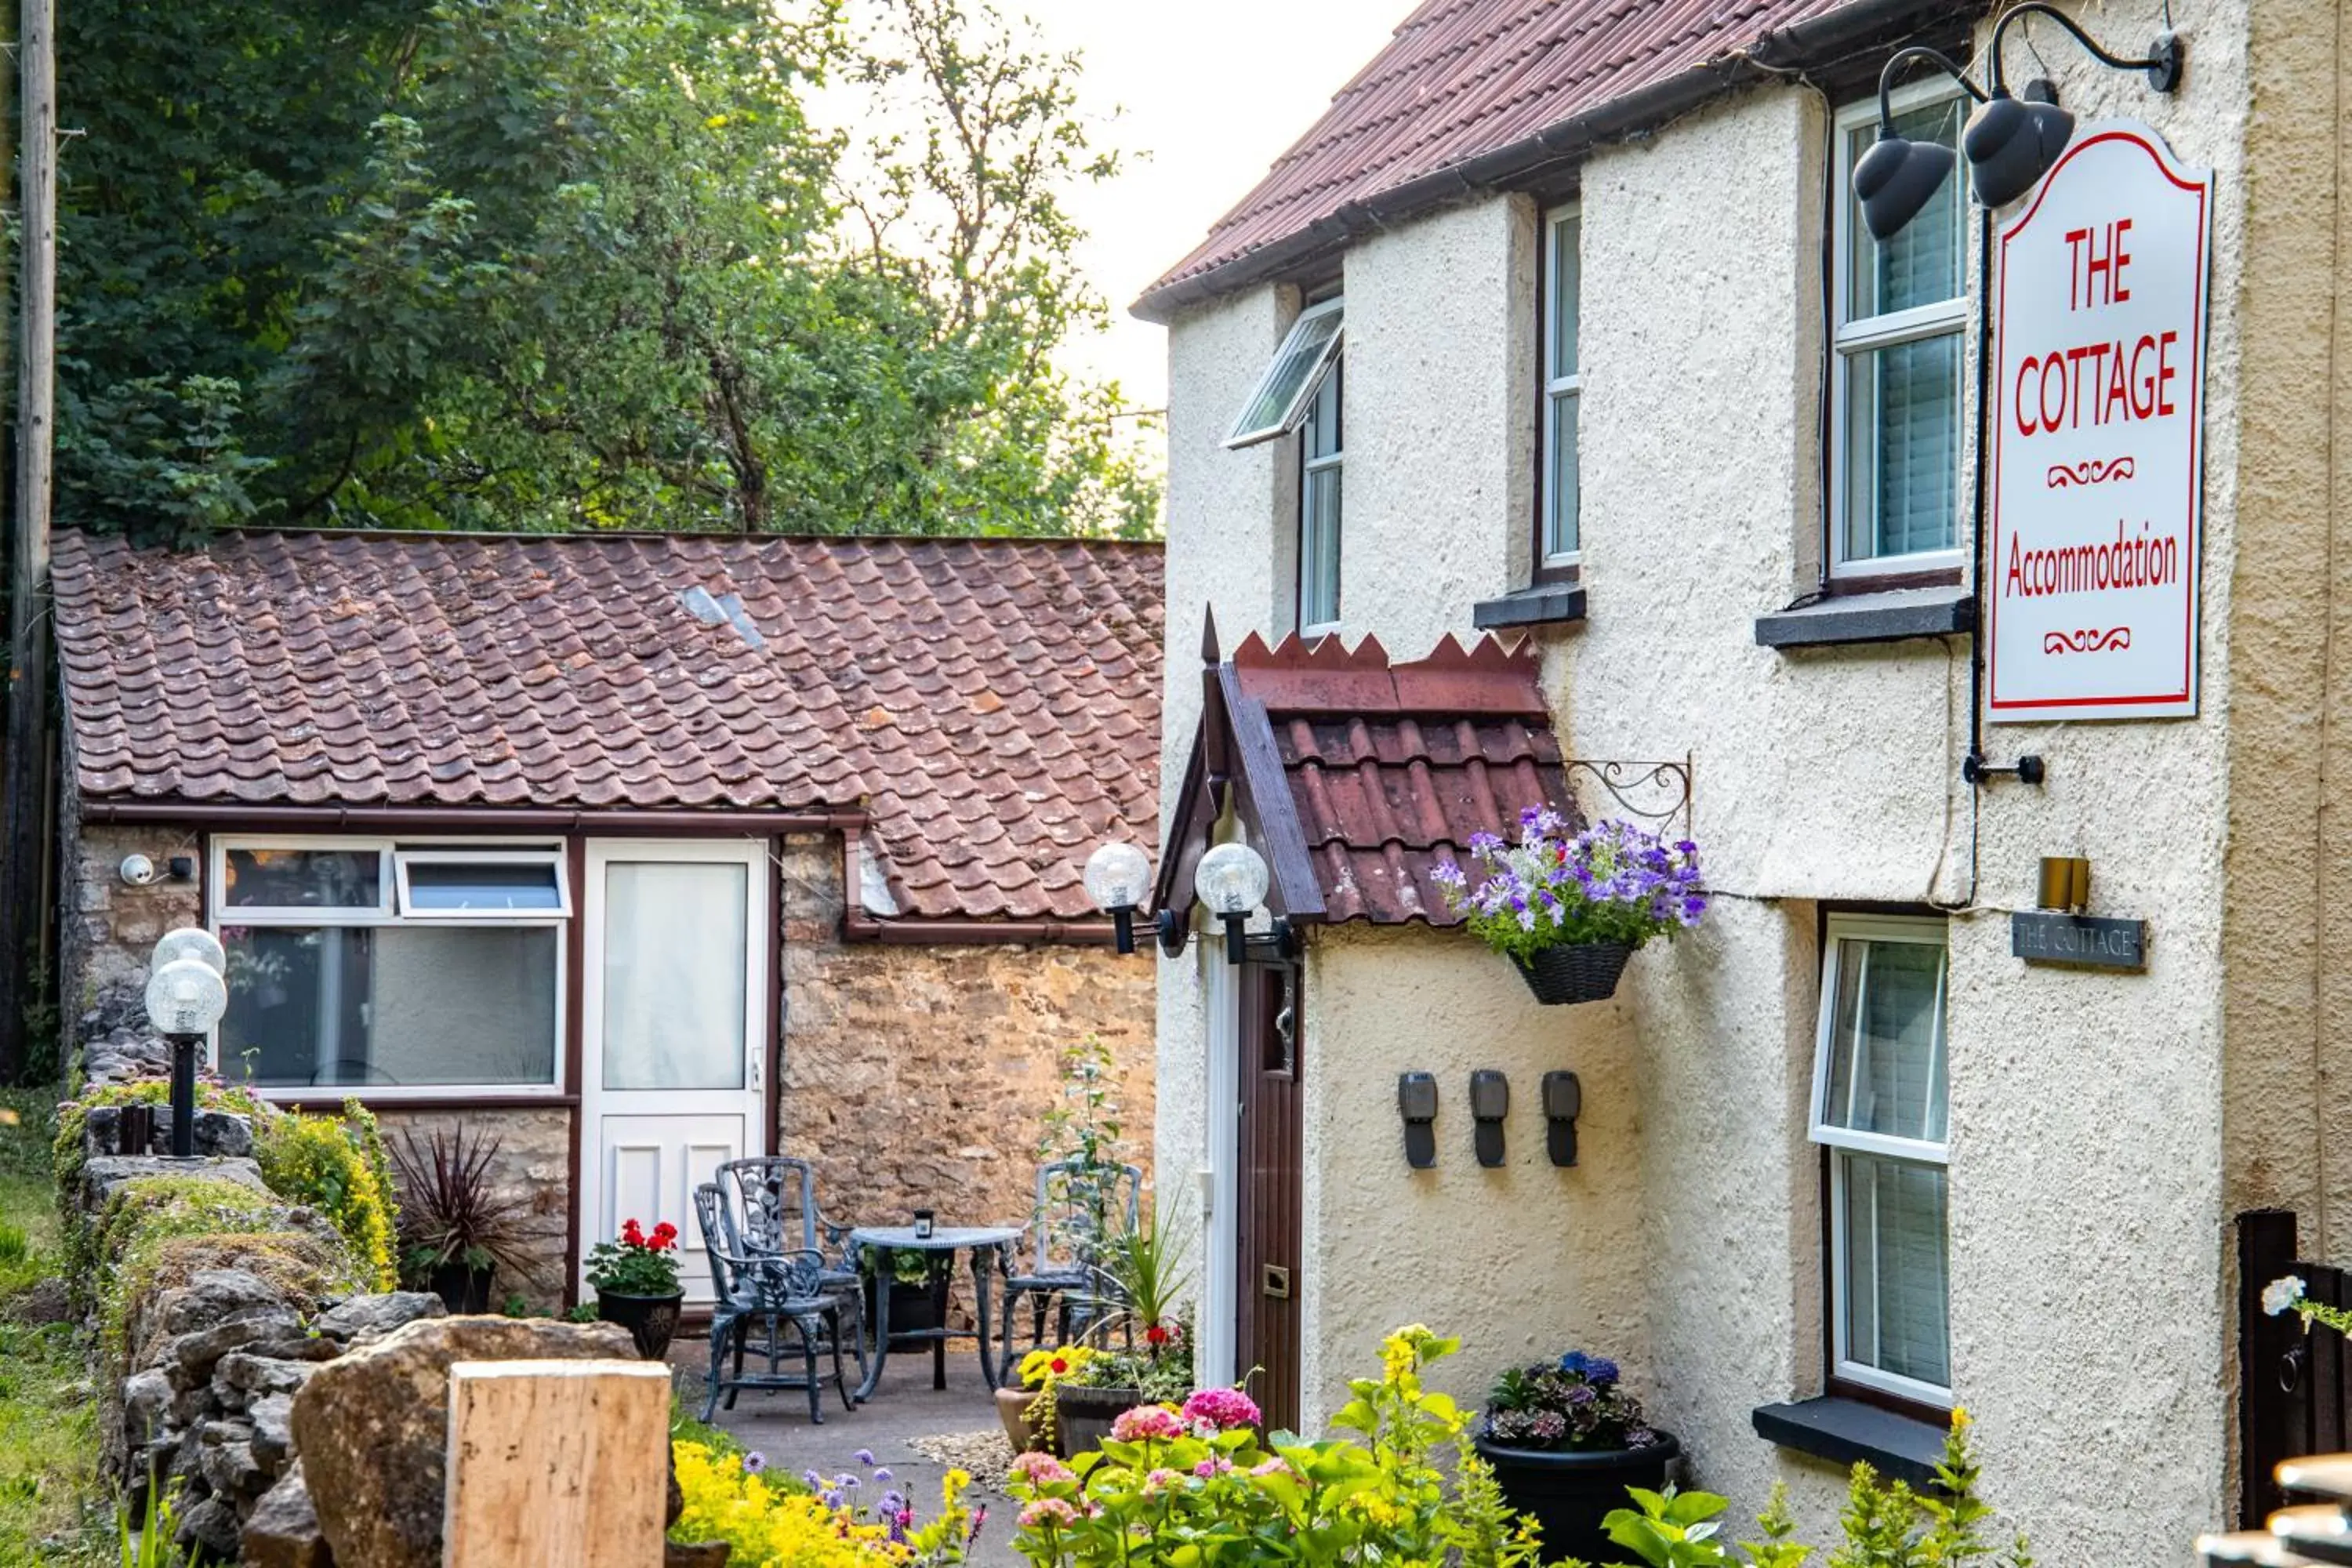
(557, 1464)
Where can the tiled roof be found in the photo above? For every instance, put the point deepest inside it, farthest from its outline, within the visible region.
(994, 705)
(1466, 79)
(1390, 768)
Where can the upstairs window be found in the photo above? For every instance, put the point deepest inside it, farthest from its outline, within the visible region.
(1880, 1113)
(1319, 507)
(1901, 315)
(1286, 393)
(1557, 542)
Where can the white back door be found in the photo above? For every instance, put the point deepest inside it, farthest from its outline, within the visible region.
(674, 999)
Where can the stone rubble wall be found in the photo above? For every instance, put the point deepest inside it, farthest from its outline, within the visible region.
(915, 1076)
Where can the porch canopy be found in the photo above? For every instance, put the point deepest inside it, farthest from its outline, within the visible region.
(1357, 777)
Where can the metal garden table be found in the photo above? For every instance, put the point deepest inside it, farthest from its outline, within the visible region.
(986, 1243)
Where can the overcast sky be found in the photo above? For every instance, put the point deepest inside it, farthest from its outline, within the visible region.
(1212, 91)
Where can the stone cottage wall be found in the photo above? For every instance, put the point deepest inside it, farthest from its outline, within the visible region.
(109, 928)
(916, 1075)
(532, 1169)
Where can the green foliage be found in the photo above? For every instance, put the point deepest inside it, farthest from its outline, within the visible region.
(338, 1167)
(49, 1436)
(1151, 1266)
(1670, 1529)
(1083, 1128)
(575, 264)
(150, 1543)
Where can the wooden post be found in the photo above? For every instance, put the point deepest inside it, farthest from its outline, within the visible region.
(24, 803)
(557, 1464)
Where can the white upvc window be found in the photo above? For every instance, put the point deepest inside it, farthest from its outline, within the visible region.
(1901, 315)
(1319, 454)
(392, 969)
(1563, 383)
(1280, 401)
(1879, 1109)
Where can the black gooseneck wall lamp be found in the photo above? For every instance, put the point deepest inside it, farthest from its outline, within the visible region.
(2010, 142)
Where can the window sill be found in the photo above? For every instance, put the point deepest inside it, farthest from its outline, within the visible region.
(1544, 605)
(1845, 1430)
(1892, 617)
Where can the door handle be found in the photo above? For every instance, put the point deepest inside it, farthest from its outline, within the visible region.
(1274, 1282)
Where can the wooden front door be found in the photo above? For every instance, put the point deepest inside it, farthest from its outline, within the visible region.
(1269, 1278)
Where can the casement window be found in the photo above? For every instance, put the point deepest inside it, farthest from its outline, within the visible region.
(1879, 1111)
(1280, 401)
(1899, 329)
(1557, 542)
(1318, 505)
(389, 969)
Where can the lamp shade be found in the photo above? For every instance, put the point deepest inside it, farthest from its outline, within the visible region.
(1895, 179)
(1118, 875)
(189, 942)
(1231, 879)
(185, 997)
(2011, 144)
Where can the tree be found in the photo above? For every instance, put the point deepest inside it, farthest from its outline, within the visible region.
(576, 264)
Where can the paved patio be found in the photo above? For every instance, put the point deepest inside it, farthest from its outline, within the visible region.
(903, 1408)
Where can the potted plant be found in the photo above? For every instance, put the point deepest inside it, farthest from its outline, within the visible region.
(916, 1298)
(636, 1285)
(455, 1227)
(1569, 911)
(1565, 1440)
(1027, 1411)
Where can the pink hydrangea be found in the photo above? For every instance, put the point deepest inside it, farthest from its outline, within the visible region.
(1041, 1469)
(1222, 1408)
(1276, 1466)
(1159, 1481)
(1215, 1464)
(1047, 1512)
(1148, 1424)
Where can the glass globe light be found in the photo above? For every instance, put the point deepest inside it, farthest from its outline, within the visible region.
(1118, 875)
(190, 941)
(186, 998)
(1232, 880)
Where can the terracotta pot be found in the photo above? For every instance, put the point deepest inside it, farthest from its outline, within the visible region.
(1012, 1410)
(1083, 1417)
(1568, 1493)
(1584, 972)
(650, 1320)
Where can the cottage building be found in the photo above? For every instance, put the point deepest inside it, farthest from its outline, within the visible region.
(1563, 325)
(638, 853)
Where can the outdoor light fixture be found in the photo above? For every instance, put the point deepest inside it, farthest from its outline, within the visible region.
(1118, 877)
(2010, 142)
(185, 999)
(1417, 1104)
(1563, 1102)
(1490, 1101)
(1232, 881)
(2064, 885)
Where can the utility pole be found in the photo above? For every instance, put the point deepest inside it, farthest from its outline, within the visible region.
(24, 800)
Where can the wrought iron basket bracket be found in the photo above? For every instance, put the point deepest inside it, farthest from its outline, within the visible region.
(1657, 793)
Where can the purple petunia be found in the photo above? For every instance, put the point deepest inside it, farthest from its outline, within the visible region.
(1613, 882)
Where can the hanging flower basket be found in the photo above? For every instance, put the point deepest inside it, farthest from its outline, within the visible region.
(1584, 972)
(1569, 911)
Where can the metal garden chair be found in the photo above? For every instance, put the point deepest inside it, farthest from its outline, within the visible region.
(776, 1196)
(1064, 1273)
(776, 1288)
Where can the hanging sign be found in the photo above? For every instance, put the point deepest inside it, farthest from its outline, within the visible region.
(2097, 453)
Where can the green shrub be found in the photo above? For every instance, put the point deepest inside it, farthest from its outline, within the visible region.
(336, 1165)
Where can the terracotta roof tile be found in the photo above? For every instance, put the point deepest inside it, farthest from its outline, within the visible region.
(1460, 79)
(954, 688)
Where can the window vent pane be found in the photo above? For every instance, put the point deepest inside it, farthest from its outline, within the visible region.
(1887, 1058)
(1280, 399)
(473, 887)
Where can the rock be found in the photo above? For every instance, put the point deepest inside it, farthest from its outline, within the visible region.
(283, 1531)
(309, 1347)
(212, 1294)
(273, 1433)
(225, 1458)
(697, 1554)
(193, 1356)
(146, 1406)
(211, 1524)
(357, 1315)
(372, 1427)
(101, 1177)
(253, 1375)
(43, 1301)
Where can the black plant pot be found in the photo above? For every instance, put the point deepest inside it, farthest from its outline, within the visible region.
(463, 1289)
(1083, 1417)
(1569, 1494)
(650, 1320)
(1582, 971)
(913, 1311)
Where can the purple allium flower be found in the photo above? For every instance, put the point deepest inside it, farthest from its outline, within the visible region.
(754, 1462)
(883, 1473)
(863, 1457)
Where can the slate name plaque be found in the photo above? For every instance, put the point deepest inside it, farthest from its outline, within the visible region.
(2042, 937)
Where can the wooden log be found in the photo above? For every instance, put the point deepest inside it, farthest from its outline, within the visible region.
(557, 1464)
